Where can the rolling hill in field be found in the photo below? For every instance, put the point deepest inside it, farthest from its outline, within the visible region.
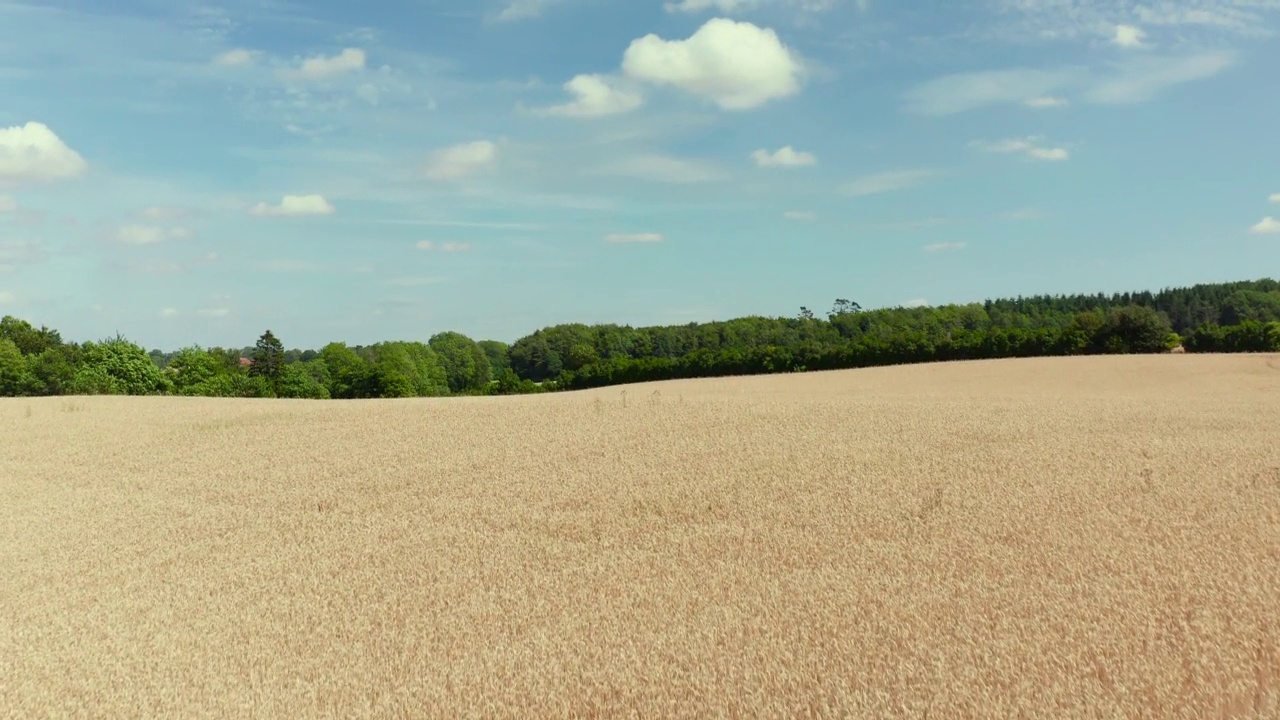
(1044, 538)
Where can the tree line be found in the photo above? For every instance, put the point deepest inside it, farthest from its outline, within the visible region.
(1222, 317)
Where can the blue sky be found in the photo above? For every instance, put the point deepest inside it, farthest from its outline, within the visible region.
(189, 172)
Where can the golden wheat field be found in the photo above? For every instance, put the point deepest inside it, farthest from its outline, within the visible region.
(1047, 538)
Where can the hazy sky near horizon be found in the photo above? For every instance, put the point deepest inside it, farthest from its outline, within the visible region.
(189, 172)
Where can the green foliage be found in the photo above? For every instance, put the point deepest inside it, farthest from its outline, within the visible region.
(891, 337)
(55, 368)
(1133, 329)
(118, 367)
(350, 376)
(508, 383)
(1248, 336)
(95, 380)
(465, 363)
(192, 370)
(408, 369)
(233, 385)
(16, 378)
(534, 358)
(298, 381)
(1226, 317)
(27, 338)
(268, 360)
(1244, 305)
(498, 354)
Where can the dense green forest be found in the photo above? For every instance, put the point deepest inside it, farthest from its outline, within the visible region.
(1224, 317)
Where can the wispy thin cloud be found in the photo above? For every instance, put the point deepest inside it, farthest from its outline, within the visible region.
(1029, 147)
(959, 92)
(321, 67)
(290, 266)
(785, 157)
(1046, 101)
(517, 10)
(447, 247)
(418, 281)
(886, 182)
(720, 6)
(1029, 213)
(624, 238)
(666, 169)
(1142, 79)
(237, 57)
(150, 234)
(944, 247)
(1137, 79)
(461, 160)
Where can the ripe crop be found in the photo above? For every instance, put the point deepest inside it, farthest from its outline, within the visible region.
(1050, 538)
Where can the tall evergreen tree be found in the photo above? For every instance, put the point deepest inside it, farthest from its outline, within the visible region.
(268, 360)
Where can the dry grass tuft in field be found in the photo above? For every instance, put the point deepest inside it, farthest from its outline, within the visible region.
(1049, 538)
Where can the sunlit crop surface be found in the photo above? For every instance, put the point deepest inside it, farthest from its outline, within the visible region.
(1048, 538)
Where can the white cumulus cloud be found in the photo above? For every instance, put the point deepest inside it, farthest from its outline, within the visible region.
(737, 65)
(916, 303)
(294, 205)
(1129, 36)
(463, 159)
(32, 152)
(1267, 226)
(321, 66)
(644, 237)
(596, 96)
(785, 156)
(1028, 146)
(1275, 198)
(944, 247)
(168, 313)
